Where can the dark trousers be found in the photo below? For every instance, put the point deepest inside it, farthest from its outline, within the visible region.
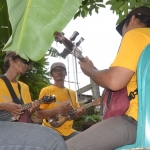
(108, 134)
(70, 136)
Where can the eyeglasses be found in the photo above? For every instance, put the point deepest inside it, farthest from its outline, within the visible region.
(23, 60)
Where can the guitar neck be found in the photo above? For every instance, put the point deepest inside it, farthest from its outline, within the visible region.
(93, 103)
(29, 105)
(88, 105)
(78, 54)
(82, 59)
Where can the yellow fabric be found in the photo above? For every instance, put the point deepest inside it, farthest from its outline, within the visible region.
(61, 95)
(6, 97)
(132, 44)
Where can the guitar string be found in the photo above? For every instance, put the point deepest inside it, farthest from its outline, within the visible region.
(24, 106)
(86, 106)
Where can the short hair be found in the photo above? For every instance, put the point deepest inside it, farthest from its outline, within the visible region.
(57, 64)
(14, 56)
(142, 18)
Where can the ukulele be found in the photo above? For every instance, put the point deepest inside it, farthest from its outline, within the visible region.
(70, 47)
(6, 116)
(59, 119)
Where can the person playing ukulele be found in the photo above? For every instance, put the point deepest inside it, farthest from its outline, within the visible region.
(15, 66)
(65, 102)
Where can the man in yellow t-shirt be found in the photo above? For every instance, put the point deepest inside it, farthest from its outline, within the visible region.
(65, 101)
(118, 131)
(15, 66)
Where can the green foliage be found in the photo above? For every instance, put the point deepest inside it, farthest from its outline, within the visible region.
(2, 55)
(5, 27)
(87, 6)
(34, 22)
(123, 7)
(120, 7)
(88, 119)
(53, 52)
(37, 77)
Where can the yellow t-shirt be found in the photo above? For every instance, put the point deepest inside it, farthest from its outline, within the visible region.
(6, 97)
(61, 95)
(132, 45)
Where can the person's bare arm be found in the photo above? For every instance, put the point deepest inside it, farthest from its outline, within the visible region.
(80, 111)
(43, 114)
(35, 107)
(11, 107)
(114, 78)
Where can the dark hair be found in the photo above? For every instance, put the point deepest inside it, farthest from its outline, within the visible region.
(143, 19)
(7, 63)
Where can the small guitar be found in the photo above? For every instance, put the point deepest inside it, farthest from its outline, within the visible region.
(60, 119)
(70, 47)
(6, 116)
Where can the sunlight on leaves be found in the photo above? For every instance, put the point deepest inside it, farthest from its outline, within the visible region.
(34, 22)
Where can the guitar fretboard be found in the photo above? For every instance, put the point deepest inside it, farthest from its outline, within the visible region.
(29, 105)
(87, 105)
(93, 103)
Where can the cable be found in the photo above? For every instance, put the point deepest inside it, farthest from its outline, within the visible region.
(68, 72)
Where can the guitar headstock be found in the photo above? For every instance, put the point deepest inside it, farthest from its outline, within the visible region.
(69, 46)
(97, 102)
(48, 98)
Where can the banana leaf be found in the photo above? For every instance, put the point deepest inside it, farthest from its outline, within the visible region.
(5, 28)
(33, 23)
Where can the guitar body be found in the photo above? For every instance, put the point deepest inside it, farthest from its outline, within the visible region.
(25, 118)
(59, 120)
(5, 116)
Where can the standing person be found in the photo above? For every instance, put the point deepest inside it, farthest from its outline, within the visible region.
(15, 66)
(65, 101)
(118, 131)
(18, 135)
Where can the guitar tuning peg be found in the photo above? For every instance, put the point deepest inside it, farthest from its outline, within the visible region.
(64, 53)
(74, 35)
(62, 33)
(80, 41)
(57, 40)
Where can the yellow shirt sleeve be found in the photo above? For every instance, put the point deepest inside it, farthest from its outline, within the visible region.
(130, 50)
